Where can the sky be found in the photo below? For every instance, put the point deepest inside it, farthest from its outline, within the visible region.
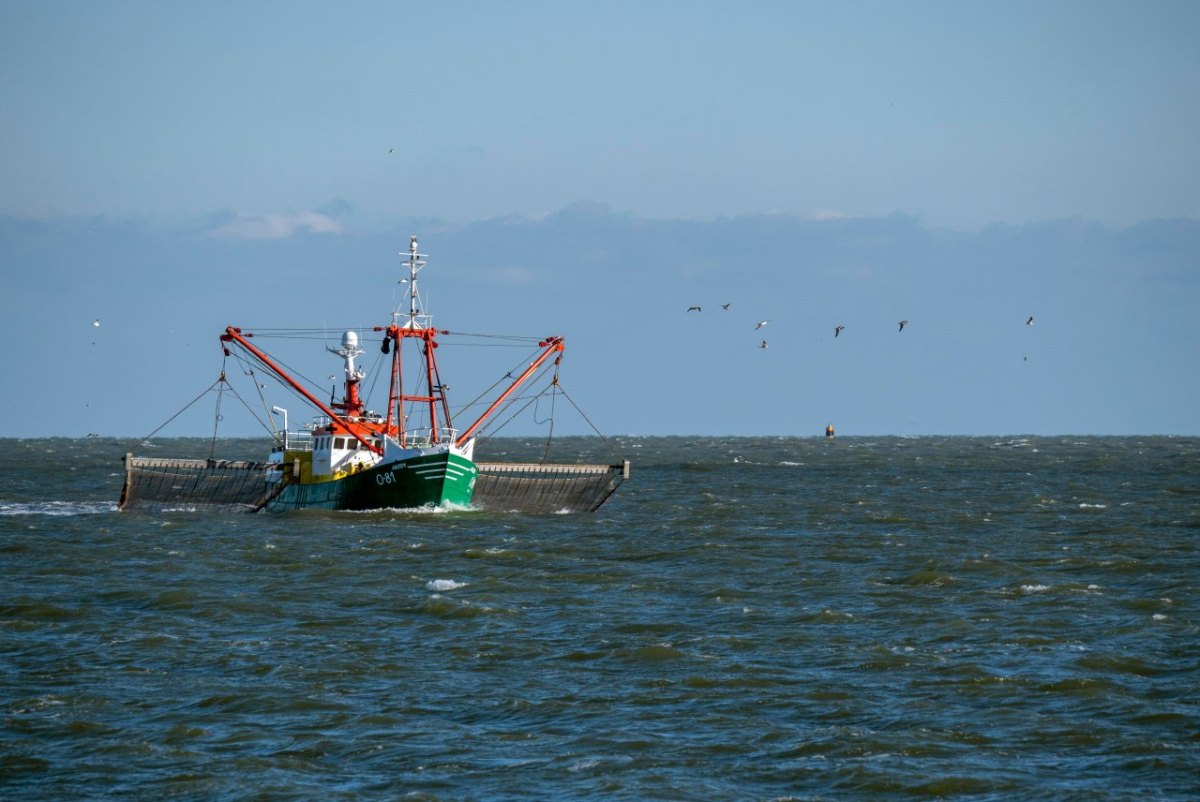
(596, 168)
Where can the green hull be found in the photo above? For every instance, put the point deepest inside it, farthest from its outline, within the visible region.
(426, 480)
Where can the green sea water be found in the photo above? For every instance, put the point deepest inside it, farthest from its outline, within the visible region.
(746, 619)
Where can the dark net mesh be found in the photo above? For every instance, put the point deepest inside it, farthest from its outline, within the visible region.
(166, 484)
(157, 485)
(538, 488)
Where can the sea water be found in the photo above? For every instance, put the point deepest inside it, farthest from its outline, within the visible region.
(746, 619)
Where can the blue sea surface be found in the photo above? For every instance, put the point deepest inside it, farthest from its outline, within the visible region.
(746, 619)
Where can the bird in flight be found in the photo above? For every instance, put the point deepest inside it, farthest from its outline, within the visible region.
(763, 344)
(725, 307)
(760, 324)
(1030, 321)
(837, 330)
(903, 323)
(693, 309)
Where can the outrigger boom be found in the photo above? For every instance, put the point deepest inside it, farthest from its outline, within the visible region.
(552, 345)
(234, 334)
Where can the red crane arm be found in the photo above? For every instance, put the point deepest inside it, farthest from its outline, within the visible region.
(551, 345)
(233, 334)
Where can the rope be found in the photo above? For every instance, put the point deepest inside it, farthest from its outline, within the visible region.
(266, 427)
(186, 407)
(518, 367)
(550, 434)
(488, 435)
(217, 417)
(266, 409)
(512, 401)
(607, 442)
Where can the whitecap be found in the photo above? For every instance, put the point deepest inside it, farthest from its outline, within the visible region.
(444, 584)
(59, 508)
(424, 509)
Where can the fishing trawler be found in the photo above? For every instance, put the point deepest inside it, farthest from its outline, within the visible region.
(352, 458)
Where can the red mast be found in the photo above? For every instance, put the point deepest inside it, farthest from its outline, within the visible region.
(348, 413)
(416, 327)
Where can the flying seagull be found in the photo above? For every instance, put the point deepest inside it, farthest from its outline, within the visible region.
(760, 324)
(1030, 321)
(96, 322)
(693, 309)
(725, 307)
(903, 323)
(837, 330)
(763, 344)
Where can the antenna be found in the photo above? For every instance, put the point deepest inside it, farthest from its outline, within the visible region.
(414, 263)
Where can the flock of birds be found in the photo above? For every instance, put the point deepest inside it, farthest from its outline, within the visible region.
(837, 330)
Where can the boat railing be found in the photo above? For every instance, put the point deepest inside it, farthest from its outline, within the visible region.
(293, 441)
(423, 438)
(322, 421)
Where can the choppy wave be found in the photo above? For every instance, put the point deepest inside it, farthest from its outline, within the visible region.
(442, 585)
(856, 618)
(58, 508)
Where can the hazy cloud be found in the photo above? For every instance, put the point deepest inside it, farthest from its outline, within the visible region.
(277, 226)
(831, 214)
(1115, 314)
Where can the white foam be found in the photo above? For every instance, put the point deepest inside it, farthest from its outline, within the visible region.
(59, 508)
(425, 509)
(444, 584)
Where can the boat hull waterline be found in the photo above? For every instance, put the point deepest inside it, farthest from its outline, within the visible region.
(442, 479)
